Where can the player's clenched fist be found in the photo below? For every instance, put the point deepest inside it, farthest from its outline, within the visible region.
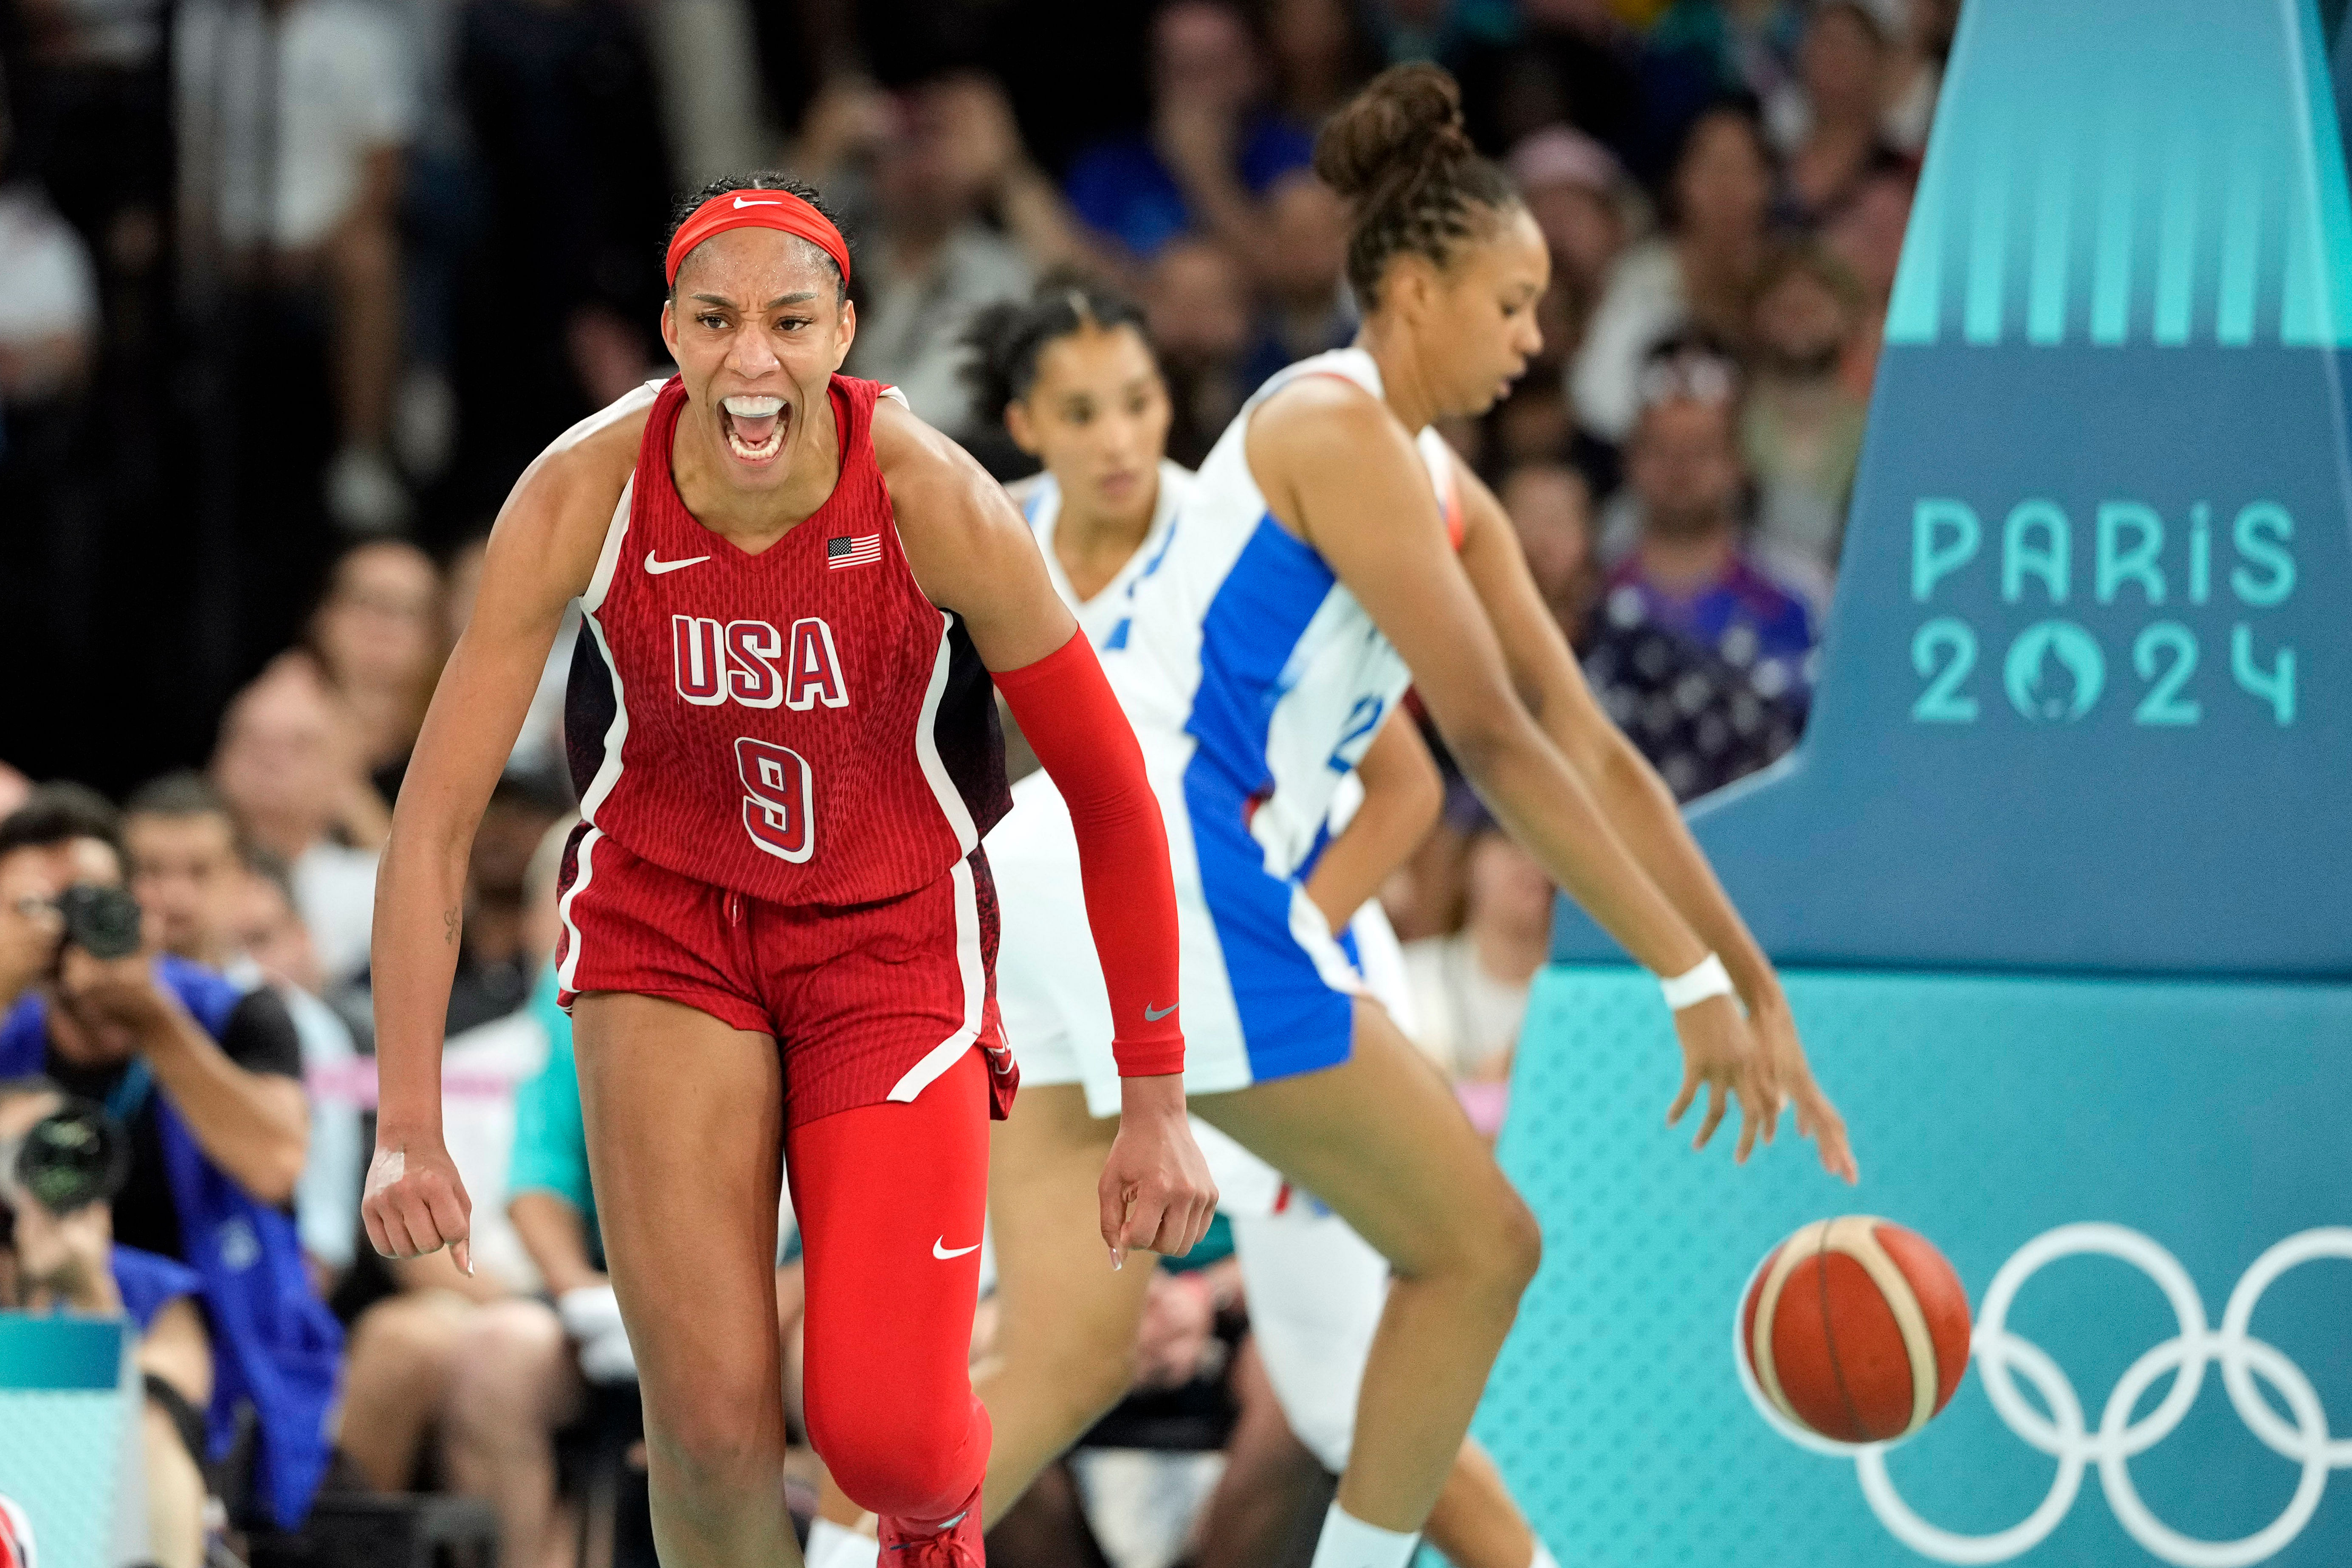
(415, 1203)
(1156, 1190)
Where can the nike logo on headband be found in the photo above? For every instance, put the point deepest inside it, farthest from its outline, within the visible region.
(740, 203)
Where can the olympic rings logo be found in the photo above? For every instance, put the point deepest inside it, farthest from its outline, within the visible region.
(2001, 1357)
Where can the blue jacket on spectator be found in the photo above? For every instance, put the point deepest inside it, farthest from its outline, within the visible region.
(274, 1341)
(149, 1281)
(1123, 188)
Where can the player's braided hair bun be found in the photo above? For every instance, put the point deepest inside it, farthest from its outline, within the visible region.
(1397, 152)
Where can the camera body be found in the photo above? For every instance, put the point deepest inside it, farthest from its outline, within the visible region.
(102, 921)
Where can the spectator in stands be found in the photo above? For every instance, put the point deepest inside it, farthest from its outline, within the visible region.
(15, 789)
(294, 116)
(193, 884)
(1915, 74)
(48, 295)
(1578, 195)
(1867, 235)
(1196, 302)
(48, 343)
(1470, 989)
(206, 1076)
(30, 922)
(1689, 570)
(1702, 271)
(1564, 60)
(538, 752)
(1550, 507)
(498, 955)
(1843, 67)
(70, 1262)
(1307, 310)
(1800, 424)
(575, 186)
(376, 635)
(408, 1351)
(1701, 720)
(1320, 52)
(1212, 151)
(1750, 47)
(1532, 424)
(289, 764)
(934, 263)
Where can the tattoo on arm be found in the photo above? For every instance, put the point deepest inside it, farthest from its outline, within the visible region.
(449, 925)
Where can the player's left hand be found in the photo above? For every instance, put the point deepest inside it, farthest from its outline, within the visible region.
(1776, 1035)
(1156, 1190)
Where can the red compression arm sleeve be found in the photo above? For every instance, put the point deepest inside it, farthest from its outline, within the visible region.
(1073, 725)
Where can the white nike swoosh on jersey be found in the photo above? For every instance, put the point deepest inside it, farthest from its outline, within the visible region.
(940, 1250)
(656, 567)
(740, 203)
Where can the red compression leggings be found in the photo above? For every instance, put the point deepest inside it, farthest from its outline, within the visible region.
(891, 1200)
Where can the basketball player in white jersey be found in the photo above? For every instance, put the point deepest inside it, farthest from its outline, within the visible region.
(1080, 387)
(1307, 580)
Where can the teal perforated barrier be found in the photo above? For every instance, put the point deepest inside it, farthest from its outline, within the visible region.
(66, 1447)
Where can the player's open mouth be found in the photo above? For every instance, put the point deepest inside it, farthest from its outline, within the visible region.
(754, 426)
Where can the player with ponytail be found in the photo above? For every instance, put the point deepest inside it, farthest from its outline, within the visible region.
(1332, 551)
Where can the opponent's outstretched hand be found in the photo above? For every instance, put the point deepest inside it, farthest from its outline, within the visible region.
(1719, 1050)
(1775, 1029)
(1156, 1190)
(415, 1203)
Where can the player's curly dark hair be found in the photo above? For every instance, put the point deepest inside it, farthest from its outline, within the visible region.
(1007, 338)
(765, 180)
(1398, 152)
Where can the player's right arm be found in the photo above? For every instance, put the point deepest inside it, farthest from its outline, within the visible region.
(1337, 469)
(542, 554)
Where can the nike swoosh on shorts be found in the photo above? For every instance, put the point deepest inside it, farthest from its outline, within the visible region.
(942, 1251)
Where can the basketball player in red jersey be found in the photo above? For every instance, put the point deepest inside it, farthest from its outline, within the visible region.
(778, 925)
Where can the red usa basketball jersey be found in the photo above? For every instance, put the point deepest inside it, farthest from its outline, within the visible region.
(801, 726)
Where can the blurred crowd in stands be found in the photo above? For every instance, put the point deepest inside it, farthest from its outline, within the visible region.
(290, 290)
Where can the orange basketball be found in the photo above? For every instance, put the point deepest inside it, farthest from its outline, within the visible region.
(1856, 1328)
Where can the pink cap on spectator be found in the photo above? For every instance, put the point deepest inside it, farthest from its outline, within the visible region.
(1560, 155)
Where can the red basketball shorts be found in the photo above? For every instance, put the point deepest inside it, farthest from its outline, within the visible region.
(867, 1002)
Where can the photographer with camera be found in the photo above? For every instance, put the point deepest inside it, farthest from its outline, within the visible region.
(205, 1077)
(61, 1163)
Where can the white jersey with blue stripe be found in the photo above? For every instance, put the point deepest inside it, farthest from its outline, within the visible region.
(1104, 617)
(1247, 667)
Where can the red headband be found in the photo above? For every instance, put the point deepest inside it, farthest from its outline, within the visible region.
(757, 209)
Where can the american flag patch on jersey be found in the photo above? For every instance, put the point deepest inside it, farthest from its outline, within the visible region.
(863, 550)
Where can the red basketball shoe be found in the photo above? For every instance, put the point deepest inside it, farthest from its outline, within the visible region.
(956, 1544)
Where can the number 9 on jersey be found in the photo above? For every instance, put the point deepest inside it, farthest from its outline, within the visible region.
(778, 799)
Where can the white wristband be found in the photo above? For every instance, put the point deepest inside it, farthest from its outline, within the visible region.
(1706, 979)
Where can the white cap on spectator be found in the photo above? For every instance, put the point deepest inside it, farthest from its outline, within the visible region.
(1561, 155)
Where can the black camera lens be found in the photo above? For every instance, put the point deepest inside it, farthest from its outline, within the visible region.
(102, 921)
(73, 1157)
